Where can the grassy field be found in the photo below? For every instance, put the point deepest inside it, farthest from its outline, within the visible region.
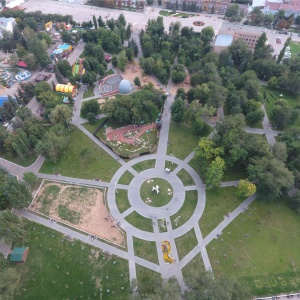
(261, 248)
(162, 198)
(91, 127)
(170, 165)
(218, 204)
(196, 165)
(295, 49)
(185, 177)
(82, 158)
(139, 222)
(193, 267)
(236, 172)
(122, 200)
(187, 209)
(147, 280)
(89, 92)
(18, 160)
(186, 243)
(274, 94)
(181, 141)
(68, 269)
(145, 249)
(144, 165)
(126, 178)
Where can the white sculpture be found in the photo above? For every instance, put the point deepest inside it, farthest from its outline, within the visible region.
(155, 189)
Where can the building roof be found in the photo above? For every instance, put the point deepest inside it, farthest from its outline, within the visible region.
(19, 254)
(238, 27)
(5, 21)
(14, 3)
(294, 6)
(22, 64)
(64, 47)
(125, 87)
(40, 77)
(224, 40)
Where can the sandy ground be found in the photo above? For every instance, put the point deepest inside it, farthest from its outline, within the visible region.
(130, 73)
(94, 217)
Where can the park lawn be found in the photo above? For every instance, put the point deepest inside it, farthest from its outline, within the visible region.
(274, 94)
(165, 13)
(145, 249)
(122, 200)
(28, 161)
(157, 200)
(144, 165)
(295, 49)
(57, 268)
(126, 178)
(218, 203)
(170, 165)
(82, 158)
(186, 243)
(91, 127)
(109, 72)
(186, 210)
(195, 163)
(140, 222)
(89, 92)
(147, 280)
(194, 267)
(182, 141)
(261, 248)
(185, 177)
(258, 125)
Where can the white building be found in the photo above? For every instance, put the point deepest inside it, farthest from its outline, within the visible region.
(6, 24)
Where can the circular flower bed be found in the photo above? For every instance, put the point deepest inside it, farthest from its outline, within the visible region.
(199, 23)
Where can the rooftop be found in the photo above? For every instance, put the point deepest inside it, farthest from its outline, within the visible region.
(238, 27)
(224, 40)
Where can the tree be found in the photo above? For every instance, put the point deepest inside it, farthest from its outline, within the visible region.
(207, 149)
(279, 150)
(16, 193)
(41, 88)
(114, 60)
(61, 114)
(233, 13)
(215, 173)
(53, 143)
(91, 117)
(178, 73)
(281, 115)
(91, 106)
(122, 61)
(122, 20)
(30, 179)
(272, 177)
(255, 117)
(178, 109)
(11, 227)
(245, 188)
(95, 22)
(207, 35)
(137, 82)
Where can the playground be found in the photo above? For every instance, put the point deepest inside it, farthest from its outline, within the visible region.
(81, 207)
(78, 67)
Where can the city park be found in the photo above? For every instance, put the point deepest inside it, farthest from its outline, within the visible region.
(147, 217)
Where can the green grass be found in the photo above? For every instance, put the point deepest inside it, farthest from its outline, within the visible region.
(165, 13)
(187, 209)
(57, 268)
(50, 194)
(193, 267)
(139, 222)
(160, 199)
(185, 177)
(122, 200)
(196, 165)
(91, 127)
(145, 249)
(170, 165)
(82, 158)
(274, 94)
(256, 125)
(28, 161)
(144, 165)
(162, 225)
(65, 213)
(261, 248)
(126, 178)
(218, 204)
(295, 49)
(186, 243)
(181, 141)
(109, 72)
(147, 280)
(89, 92)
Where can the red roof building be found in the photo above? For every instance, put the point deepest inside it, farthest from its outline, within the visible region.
(22, 64)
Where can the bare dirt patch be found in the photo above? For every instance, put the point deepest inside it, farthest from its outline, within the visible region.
(79, 206)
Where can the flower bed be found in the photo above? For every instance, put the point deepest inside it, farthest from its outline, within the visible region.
(166, 249)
